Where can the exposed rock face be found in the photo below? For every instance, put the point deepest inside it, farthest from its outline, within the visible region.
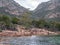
(33, 31)
(12, 7)
(48, 10)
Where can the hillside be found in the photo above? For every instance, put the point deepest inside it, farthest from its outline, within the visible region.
(48, 10)
(44, 20)
(11, 7)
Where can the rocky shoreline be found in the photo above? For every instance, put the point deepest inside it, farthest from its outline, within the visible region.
(23, 32)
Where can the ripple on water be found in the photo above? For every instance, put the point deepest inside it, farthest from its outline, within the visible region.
(33, 40)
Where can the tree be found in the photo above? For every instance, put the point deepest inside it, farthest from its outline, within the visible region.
(25, 19)
(57, 25)
(15, 20)
(40, 23)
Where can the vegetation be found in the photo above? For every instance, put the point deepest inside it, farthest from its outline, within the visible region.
(45, 24)
(7, 22)
(10, 23)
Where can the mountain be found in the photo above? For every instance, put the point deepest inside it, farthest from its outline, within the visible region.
(11, 7)
(48, 10)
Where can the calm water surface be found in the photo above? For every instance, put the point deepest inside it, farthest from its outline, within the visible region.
(33, 40)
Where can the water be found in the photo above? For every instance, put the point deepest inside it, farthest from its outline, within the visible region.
(33, 40)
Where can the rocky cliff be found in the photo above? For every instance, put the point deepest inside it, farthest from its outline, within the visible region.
(48, 10)
(10, 6)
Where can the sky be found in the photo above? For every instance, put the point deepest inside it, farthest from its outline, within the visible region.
(30, 4)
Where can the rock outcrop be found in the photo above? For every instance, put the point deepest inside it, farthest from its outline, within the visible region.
(48, 10)
(12, 7)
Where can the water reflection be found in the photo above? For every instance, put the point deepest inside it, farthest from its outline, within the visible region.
(33, 40)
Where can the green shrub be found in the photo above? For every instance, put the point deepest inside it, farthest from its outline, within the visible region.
(15, 20)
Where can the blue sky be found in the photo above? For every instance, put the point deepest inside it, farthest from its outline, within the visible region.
(31, 4)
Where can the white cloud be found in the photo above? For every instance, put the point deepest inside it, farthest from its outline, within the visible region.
(32, 4)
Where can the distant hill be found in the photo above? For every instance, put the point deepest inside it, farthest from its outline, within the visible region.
(48, 10)
(11, 7)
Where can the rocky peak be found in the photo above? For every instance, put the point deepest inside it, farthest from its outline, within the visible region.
(48, 10)
(5, 2)
(55, 1)
(12, 7)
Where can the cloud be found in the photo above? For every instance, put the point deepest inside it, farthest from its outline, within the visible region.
(32, 4)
